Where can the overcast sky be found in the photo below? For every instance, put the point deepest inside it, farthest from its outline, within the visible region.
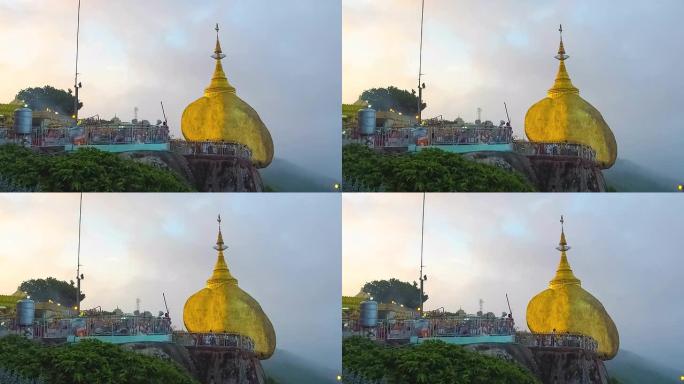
(140, 245)
(626, 250)
(284, 58)
(625, 57)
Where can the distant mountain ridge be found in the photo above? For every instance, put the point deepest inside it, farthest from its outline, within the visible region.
(285, 176)
(629, 368)
(287, 368)
(628, 176)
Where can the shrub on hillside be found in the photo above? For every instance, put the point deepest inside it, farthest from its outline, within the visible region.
(432, 362)
(91, 362)
(86, 170)
(430, 170)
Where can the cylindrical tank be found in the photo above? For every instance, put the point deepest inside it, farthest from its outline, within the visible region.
(369, 313)
(26, 312)
(23, 120)
(367, 121)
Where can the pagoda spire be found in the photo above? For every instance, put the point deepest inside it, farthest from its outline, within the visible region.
(221, 273)
(564, 275)
(562, 84)
(219, 81)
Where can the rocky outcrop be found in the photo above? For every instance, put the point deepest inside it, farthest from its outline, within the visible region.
(569, 366)
(209, 365)
(551, 365)
(206, 173)
(547, 174)
(567, 175)
(509, 161)
(226, 366)
(514, 353)
(224, 174)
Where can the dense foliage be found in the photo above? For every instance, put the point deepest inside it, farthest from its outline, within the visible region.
(432, 362)
(430, 170)
(9, 377)
(384, 99)
(386, 291)
(91, 362)
(58, 100)
(51, 289)
(86, 170)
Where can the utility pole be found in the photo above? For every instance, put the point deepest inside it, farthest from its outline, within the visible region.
(421, 85)
(79, 276)
(77, 84)
(422, 277)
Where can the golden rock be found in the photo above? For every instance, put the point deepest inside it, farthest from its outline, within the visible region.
(564, 117)
(222, 307)
(221, 116)
(566, 307)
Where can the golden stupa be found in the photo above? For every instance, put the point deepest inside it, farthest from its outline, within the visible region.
(222, 307)
(221, 116)
(564, 117)
(566, 307)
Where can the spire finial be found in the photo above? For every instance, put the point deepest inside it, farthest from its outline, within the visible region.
(220, 246)
(564, 273)
(218, 54)
(563, 245)
(561, 48)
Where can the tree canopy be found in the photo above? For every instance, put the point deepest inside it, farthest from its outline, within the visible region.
(86, 170)
(49, 97)
(386, 291)
(430, 170)
(51, 289)
(384, 99)
(364, 360)
(89, 361)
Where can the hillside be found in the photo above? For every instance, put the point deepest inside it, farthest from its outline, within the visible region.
(430, 170)
(629, 368)
(88, 362)
(627, 176)
(284, 176)
(430, 362)
(287, 368)
(86, 170)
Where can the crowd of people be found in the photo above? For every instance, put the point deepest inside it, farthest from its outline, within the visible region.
(211, 339)
(557, 149)
(210, 148)
(442, 327)
(557, 340)
(461, 135)
(121, 326)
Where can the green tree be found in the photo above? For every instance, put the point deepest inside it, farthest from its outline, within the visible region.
(386, 291)
(430, 170)
(400, 100)
(51, 289)
(430, 362)
(89, 361)
(49, 97)
(86, 170)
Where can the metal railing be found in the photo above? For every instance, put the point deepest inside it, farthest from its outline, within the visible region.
(98, 134)
(183, 147)
(557, 340)
(216, 340)
(469, 135)
(569, 150)
(107, 325)
(425, 328)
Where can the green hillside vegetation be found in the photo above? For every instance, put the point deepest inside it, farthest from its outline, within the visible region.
(629, 368)
(432, 362)
(86, 170)
(91, 362)
(430, 170)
